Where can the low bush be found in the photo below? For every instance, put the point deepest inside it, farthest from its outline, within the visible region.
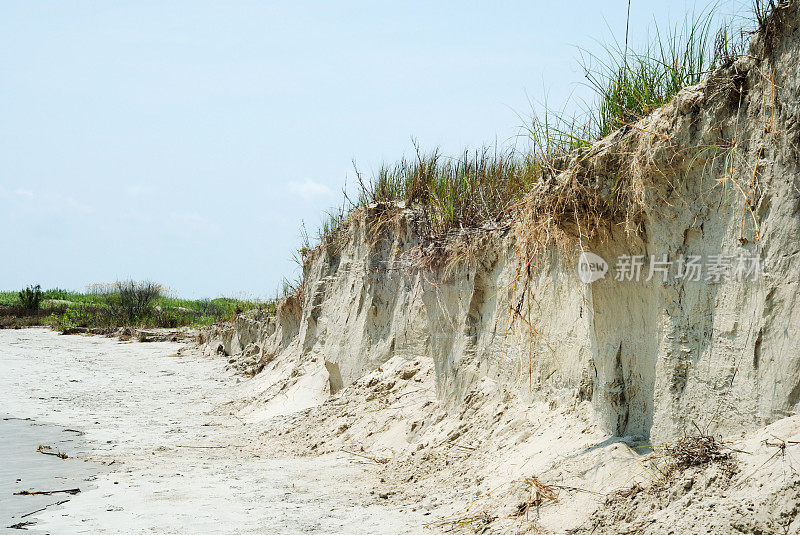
(31, 298)
(81, 316)
(132, 301)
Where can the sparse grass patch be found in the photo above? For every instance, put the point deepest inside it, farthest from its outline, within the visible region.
(530, 493)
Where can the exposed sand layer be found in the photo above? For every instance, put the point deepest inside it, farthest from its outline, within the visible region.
(160, 415)
(503, 464)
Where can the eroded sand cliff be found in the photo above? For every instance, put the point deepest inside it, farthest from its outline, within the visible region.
(484, 363)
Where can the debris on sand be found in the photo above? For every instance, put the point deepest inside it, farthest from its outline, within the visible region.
(46, 492)
(48, 450)
(696, 450)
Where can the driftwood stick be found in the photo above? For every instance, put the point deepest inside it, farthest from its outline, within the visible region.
(43, 508)
(47, 450)
(46, 492)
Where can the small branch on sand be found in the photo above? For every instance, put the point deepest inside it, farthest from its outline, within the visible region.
(21, 525)
(237, 417)
(43, 508)
(47, 450)
(45, 492)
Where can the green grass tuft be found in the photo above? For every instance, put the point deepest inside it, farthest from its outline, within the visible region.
(631, 84)
(468, 191)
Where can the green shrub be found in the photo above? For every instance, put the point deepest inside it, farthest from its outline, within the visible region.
(31, 298)
(80, 316)
(208, 307)
(132, 301)
(171, 318)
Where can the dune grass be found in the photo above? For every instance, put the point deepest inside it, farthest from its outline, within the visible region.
(481, 186)
(468, 191)
(631, 84)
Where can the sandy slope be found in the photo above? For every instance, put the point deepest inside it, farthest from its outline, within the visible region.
(475, 467)
(162, 418)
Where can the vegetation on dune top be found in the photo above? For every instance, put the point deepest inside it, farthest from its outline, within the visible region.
(482, 186)
(631, 84)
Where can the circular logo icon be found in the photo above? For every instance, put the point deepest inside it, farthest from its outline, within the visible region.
(591, 267)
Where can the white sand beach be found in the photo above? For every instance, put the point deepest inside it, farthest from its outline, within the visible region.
(160, 450)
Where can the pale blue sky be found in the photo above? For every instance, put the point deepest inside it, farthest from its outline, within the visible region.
(184, 141)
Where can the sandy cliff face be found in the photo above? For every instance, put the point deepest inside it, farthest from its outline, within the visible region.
(714, 172)
(485, 361)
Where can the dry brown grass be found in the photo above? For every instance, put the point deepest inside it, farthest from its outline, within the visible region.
(696, 450)
(539, 494)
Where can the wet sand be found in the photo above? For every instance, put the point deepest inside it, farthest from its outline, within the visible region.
(24, 468)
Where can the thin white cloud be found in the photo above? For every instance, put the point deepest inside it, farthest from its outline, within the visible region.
(309, 189)
(21, 201)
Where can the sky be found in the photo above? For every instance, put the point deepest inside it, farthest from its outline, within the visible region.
(188, 142)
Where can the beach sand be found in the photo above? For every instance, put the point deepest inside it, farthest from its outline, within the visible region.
(160, 450)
